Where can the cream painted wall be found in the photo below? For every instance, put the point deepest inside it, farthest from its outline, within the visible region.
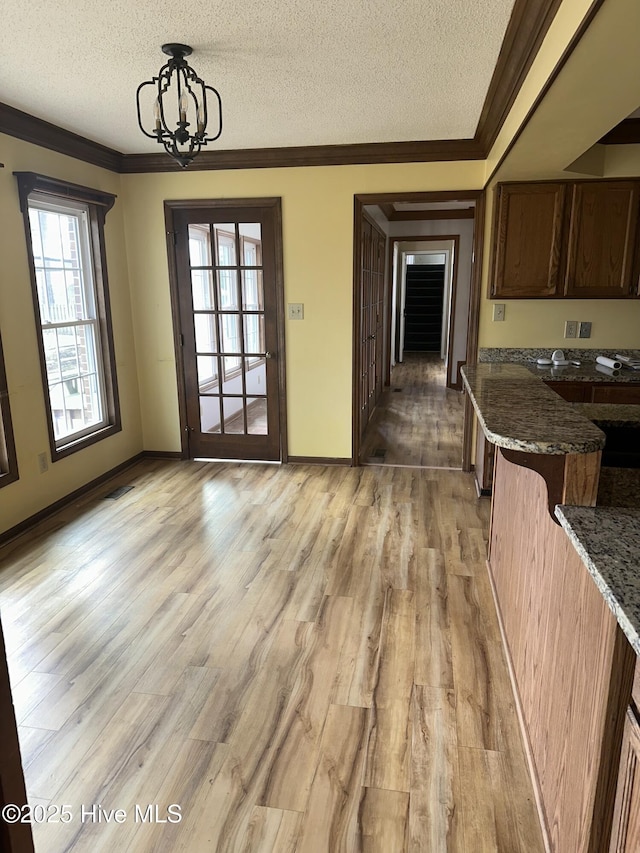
(317, 210)
(34, 491)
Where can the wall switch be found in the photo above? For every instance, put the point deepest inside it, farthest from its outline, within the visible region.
(295, 311)
(584, 330)
(498, 311)
(571, 328)
(43, 464)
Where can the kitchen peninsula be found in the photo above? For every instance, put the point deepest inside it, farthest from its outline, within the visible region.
(563, 626)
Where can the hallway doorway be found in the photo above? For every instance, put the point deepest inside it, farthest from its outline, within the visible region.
(419, 418)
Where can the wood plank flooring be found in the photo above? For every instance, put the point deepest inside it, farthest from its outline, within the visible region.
(303, 658)
(418, 420)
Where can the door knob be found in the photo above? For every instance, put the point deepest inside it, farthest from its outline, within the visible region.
(268, 354)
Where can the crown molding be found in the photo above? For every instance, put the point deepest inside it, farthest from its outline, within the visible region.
(23, 126)
(311, 155)
(528, 25)
(625, 133)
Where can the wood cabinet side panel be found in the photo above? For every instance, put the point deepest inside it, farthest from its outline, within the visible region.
(562, 640)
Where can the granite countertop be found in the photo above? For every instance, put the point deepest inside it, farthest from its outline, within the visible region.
(607, 538)
(588, 371)
(610, 414)
(516, 410)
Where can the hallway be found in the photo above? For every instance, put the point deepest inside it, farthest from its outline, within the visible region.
(302, 658)
(418, 421)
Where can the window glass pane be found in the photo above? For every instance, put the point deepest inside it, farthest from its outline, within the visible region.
(199, 246)
(205, 327)
(51, 355)
(252, 290)
(233, 408)
(254, 333)
(207, 372)
(210, 414)
(257, 416)
(202, 289)
(226, 244)
(228, 289)
(75, 405)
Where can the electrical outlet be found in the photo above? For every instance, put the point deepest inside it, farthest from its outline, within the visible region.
(571, 328)
(584, 330)
(295, 311)
(43, 465)
(498, 311)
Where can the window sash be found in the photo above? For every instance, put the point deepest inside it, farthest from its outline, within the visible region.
(70, 292)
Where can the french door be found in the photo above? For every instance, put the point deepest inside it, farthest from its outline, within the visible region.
(372, 260)
(228, 295)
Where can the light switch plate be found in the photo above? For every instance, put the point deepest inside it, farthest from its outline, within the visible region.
(295, 311)
(498, 311)
(584, 330)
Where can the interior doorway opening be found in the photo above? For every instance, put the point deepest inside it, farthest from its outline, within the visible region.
(433, 243)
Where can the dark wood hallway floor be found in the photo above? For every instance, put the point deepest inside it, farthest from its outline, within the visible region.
(418, 421)
(302, 658)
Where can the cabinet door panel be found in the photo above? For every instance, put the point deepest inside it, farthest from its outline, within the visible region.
(604, 219)
(573, 392)
(528, 240)
(625, 837)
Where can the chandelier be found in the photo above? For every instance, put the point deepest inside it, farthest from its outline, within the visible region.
(180, 104)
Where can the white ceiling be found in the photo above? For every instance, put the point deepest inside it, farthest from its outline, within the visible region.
(290, 72)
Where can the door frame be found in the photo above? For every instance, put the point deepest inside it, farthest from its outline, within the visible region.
(275, 203)
(451, 381)
(359, 202)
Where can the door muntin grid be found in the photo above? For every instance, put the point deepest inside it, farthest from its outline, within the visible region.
(227, 281)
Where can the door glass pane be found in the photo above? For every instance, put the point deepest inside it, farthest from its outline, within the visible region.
(252, 290)
(210, 414)
(230, 331)
(255, 376)
(205, 326)
(202, 289)
(207, 372)
(257, 415)
(233, 408)
(251, 243)
(226, 244)
(228, 293)
(254, 333)
(199, 246)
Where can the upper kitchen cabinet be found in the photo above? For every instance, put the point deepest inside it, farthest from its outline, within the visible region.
(528, 238)
(566, 239)
(602, 240)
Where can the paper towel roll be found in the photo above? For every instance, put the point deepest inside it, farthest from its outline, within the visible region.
(609, 362)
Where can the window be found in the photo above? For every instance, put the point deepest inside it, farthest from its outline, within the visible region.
(65, 240)
(8, 463)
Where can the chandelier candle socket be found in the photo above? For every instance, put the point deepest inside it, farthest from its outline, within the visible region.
(180, 94)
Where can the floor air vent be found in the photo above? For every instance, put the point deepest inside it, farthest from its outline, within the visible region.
(117, 493)
(397, 390)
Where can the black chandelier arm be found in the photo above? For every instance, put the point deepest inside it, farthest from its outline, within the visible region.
(206, 116)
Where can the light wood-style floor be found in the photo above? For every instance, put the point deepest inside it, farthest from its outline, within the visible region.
(418, 421)
(303, 658)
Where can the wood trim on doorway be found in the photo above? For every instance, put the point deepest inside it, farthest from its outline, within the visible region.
(451, 381)
(359, 202)
(275, 203)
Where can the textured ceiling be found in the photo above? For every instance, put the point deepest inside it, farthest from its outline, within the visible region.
(290, 72)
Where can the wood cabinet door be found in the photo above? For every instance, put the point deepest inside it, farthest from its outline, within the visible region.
(573, 392)
(528, 240)
(625, 837)
(601, 258)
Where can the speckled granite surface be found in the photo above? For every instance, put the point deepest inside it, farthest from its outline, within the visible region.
(610, 414)
(587, 372)
(516, 410)
(608, 541)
